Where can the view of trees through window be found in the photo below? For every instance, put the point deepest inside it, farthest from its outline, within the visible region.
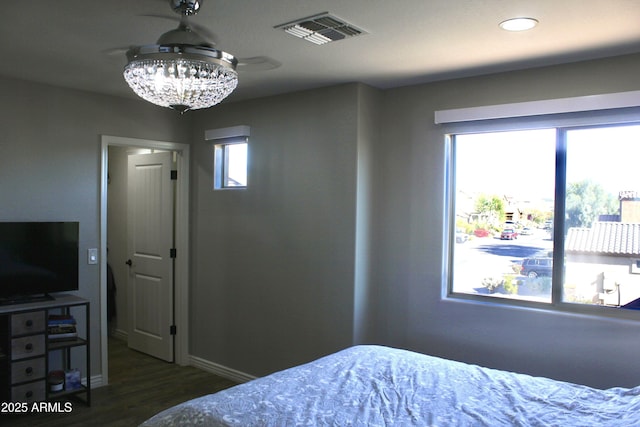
(506, 219)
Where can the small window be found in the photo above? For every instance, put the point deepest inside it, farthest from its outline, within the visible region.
(230, 168)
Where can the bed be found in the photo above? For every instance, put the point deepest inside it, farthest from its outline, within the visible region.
(381, 386)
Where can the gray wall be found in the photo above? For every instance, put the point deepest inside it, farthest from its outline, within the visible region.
(283, 273)
(273, 265)
(339, 238)
(50, 162)
(370, 117)
(410, 260)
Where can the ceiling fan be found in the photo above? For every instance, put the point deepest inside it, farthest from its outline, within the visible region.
(183, 70)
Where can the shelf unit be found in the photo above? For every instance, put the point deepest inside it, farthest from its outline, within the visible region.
(27, 354)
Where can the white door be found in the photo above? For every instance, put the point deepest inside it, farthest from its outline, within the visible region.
(150, 241)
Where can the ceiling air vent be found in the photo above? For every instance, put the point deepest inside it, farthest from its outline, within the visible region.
(321, 29)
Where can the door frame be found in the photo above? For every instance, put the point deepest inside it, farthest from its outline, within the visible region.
(181, 297)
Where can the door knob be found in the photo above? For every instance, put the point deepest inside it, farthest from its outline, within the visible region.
(129, 263)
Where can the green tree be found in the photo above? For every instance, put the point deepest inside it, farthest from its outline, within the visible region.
(537, 216)
(492, 206)
(586, 201)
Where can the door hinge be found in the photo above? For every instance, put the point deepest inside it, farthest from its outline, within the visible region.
(174, 175)
(173, 330)
(173, 253)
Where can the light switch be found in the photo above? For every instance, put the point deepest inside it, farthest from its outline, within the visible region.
(92, 256)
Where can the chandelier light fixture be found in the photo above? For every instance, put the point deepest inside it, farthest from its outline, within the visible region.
(182, 70)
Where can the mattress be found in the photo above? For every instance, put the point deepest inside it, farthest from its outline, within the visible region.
(381, 386)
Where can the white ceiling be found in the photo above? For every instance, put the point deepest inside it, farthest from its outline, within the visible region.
(70, 43)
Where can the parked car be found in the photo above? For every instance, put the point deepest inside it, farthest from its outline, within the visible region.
(461, 236)
(481, 232)
(508, 234)
(534, 267)
(526, 231)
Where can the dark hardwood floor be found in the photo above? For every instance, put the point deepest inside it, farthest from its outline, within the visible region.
(139, 387)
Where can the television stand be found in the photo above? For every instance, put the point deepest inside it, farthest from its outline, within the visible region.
(35, 350)
(23, 299)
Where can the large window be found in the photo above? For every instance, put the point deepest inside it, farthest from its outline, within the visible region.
(548, 216)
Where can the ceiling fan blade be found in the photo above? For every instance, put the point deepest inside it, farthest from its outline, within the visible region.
(258, 63)
(206, 33)
(116, 51)
(173, 18)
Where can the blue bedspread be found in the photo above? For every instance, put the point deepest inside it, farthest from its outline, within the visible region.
(380, 386)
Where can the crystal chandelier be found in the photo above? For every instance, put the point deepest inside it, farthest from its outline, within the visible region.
(181, 71)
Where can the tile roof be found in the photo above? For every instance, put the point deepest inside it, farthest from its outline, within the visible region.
(613, 238)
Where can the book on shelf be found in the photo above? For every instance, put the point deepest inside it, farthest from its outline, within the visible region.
(61, 327)
(61, 337)
(61, 319)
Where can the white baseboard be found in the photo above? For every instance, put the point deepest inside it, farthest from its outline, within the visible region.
(197, 362)
(220, 370)
(119, 334)
(96, 381)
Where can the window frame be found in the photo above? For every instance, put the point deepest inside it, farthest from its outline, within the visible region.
(563, 123)
(221, 164)
(221, 138)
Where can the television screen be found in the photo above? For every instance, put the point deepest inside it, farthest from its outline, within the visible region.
(38, 258)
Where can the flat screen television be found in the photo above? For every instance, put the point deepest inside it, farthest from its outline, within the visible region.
(37, 259)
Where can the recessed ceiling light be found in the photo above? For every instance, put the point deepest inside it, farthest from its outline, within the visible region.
(518, 24)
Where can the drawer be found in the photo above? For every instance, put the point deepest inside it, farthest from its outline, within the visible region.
(31, 392)
(27, 370)
(26, 323)
(30, 346)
